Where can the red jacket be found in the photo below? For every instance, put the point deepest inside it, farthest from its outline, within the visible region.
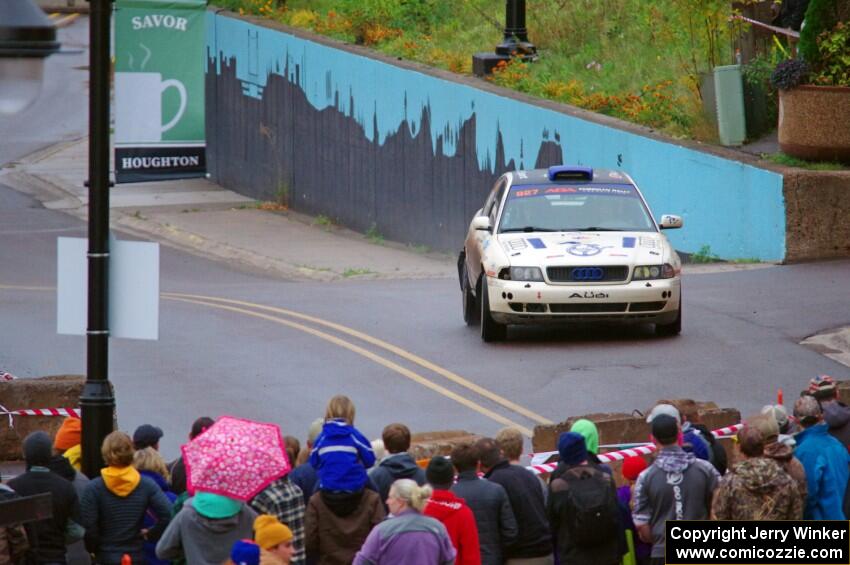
(459, 521)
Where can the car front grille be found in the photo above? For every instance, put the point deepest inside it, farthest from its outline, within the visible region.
(589, 307)
(612, 273)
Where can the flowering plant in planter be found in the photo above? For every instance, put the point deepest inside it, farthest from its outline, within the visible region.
(814, 91)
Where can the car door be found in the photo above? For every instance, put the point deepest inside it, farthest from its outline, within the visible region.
(475, 239)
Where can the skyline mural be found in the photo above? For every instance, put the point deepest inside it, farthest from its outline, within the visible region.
(414, 155)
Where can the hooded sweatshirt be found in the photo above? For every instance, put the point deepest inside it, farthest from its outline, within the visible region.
(675, 475)
(459, 521)
(336, 528)
(341, 456)
(757, 489)
(837, 417)
(113, 510)
(202, 540)
(783, 454)
(394, 467)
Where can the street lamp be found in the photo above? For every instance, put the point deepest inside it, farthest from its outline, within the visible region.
(514, 44)
(26, 38)
(97, 400)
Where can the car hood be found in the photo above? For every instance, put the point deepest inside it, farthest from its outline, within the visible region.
(584, 248)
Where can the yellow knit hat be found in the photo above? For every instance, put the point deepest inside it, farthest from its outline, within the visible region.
(269, 532)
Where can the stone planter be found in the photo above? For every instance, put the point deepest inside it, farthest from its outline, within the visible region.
(814, 123)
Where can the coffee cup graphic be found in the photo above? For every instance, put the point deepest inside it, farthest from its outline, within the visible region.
(138, 106)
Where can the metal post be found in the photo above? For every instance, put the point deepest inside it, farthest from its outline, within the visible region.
(97, 401)
(515, 20)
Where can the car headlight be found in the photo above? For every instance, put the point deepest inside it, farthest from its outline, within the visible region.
(648, 272)
(526, 274)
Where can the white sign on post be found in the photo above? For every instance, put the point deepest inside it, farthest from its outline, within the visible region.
(133, 288)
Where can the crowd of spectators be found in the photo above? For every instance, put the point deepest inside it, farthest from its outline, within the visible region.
(342, 504)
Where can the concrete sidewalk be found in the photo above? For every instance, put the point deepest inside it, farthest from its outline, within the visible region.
(201, 217)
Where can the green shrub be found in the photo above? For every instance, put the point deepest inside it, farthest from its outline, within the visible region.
(821, 16)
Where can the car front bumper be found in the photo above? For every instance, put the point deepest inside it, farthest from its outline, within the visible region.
(519, 302)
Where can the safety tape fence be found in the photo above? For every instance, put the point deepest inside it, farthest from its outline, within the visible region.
(66, 412)
(619, 455)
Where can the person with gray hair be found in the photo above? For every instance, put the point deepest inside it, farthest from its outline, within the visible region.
(825, 460)
(407, 536)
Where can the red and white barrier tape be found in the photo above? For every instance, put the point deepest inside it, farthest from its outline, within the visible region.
(622, 453)
(66, 412)
(5, 377)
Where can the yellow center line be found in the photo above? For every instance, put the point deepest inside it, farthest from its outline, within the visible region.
(67, 20)
(416, 377)
(218, 302)
(413, 358)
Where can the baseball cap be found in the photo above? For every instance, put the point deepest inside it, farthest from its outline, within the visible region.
(807, 410)
(821, 387)
(146, 435)
(667, 409)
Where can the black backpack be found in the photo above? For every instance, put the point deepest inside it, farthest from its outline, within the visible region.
(592, 516)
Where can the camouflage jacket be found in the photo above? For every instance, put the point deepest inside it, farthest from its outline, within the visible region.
(757, 489)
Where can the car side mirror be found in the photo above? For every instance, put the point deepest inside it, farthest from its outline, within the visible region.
(670, 222)
(481, 223)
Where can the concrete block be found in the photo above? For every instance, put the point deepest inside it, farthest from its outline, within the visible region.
(61, 391)
(627, 428)
(425, 445)
(816, 206)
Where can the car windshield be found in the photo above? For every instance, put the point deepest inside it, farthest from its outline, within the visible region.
(590, 207)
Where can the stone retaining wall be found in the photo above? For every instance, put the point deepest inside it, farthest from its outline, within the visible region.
(817, 205)
(60, 391)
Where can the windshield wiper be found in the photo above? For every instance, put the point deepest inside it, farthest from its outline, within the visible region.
(526, 229)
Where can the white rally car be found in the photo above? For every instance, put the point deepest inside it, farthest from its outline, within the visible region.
(569, 244)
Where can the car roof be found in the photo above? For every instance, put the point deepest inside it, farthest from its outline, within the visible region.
(541, 176)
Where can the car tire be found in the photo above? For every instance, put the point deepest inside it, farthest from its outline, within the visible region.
(673, 328)
(470, 304)
(490, 329)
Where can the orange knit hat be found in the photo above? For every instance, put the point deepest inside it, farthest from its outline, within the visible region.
(69, 434)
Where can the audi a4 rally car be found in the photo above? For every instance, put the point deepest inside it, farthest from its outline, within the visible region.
(569, 244)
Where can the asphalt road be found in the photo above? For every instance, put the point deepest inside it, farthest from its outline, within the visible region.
(278, 350)
(61, 112)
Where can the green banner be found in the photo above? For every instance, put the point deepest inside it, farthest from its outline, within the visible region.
(159, 89)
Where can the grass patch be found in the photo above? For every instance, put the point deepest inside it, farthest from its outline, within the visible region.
(373, 235)
(747, 261)
(632, 59)
(356, 272)
(788, 161)
(704, 255)
(323, 222)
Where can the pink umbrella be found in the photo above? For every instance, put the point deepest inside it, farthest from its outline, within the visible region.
(235, 457)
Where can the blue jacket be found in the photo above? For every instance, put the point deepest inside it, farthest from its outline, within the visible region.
(341, 455)
(150, 518)
(826, 463)
(699, 446)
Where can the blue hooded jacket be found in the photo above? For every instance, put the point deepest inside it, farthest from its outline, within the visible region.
(825, 461)
(341, 456)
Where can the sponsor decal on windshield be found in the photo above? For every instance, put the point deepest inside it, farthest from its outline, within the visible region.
(532, 191)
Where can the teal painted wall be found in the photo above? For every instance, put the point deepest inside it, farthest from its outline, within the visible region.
(735, 208)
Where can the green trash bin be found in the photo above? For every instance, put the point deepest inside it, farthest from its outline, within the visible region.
(729, 96)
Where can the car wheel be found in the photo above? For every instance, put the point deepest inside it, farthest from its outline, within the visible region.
(470, 306)
(490, 329)
(673, 328)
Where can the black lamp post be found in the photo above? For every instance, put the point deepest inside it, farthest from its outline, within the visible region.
(514, 44)
(97, 401)
(26, 38)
